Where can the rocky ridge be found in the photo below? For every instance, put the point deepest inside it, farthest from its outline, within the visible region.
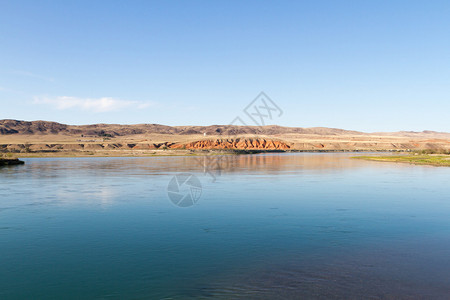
(215, 144)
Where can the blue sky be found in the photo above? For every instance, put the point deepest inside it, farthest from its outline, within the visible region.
(361, 65)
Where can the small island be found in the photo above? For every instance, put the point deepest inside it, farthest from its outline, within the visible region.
(10, 162)
(441, 160)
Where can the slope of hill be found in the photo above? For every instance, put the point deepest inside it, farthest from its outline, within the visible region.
(45, 127)
(20, 136)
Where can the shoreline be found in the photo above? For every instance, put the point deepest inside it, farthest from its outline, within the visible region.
(173, 152)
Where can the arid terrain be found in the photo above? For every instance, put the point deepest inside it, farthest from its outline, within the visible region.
(49, 138)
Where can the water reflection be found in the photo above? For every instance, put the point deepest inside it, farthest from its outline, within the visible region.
(270, 226)
(64, 180)
(52, 168)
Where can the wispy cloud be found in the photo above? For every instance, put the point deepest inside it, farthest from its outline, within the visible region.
(32, 75)
(104, 104)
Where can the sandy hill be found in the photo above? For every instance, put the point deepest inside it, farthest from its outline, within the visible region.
(45, 127)
(42, 135)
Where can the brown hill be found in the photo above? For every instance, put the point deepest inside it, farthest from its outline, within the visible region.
(45, 127)
(26, 136)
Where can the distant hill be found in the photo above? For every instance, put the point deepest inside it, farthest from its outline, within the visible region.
(50, 137)
(44, 127)
(10, 127)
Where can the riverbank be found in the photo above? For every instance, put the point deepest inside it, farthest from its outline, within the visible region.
(139, 153)
(172, 152)
(428, 159)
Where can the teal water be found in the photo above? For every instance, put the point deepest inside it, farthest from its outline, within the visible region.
(272, 226)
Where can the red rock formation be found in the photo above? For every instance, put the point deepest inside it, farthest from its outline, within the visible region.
(240, 144)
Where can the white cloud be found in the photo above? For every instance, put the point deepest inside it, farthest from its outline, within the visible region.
(104, 104)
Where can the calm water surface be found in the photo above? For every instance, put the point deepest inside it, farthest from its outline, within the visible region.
(271, 226)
